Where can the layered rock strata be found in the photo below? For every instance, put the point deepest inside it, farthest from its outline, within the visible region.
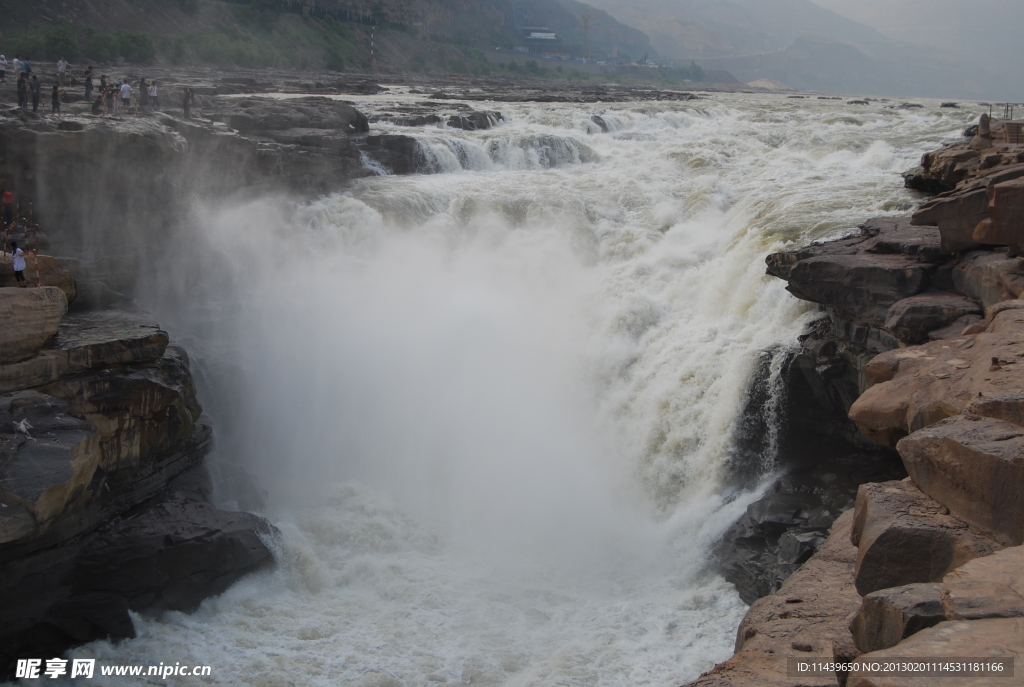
(99, 424)
(928, 311)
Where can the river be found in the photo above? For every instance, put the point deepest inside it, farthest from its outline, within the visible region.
(494, 406)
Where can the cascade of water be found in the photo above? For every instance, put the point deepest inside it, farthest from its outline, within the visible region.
(495, 406)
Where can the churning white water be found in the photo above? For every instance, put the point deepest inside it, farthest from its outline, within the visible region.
(494, 406)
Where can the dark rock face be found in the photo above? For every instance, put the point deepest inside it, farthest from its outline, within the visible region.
(170, 553)
(783, 529)
(912, 319)
(398, 154)
(96, 518)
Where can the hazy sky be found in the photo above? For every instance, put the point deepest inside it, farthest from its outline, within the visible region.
(986, 31)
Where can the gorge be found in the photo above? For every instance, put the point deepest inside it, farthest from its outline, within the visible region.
(503, 407)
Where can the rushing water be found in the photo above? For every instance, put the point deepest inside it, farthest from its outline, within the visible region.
(494, 406)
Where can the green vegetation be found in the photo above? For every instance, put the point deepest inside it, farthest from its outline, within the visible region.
(46, 43)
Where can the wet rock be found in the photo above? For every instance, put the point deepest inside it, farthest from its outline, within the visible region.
(911, 388)
(169, 553)
(788, 525)
(252, 115)
(599, 120)
(860, 277)
(28, 319)
(979, 638)
(398, 154)
(474, 121)
(974, 467)
(810, 611)
(904, 537)
(889, 616)
(88, 341)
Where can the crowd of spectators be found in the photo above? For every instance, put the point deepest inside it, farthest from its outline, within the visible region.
(111, 97)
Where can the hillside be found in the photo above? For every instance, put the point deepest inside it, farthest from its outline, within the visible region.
(803, 45)
(432, 35)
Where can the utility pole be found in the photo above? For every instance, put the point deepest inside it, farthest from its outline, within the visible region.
(586, 36)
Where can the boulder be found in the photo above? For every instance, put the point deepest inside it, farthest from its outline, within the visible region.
(973, 466)
(1005, 223)
(860, 277)
(168, 553)
(51, 273)
(903, 537)
(989, 587)
(173, 554)
(989, 277)
(996, 638)
(912, 319)
(808, 615)
(398, 154)
(888, 616)
(956, 215)
(911, 388)
(28, 319)
(86, 341)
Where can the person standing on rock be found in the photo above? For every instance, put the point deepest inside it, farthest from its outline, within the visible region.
(154, 97)
(36, 89)
(18, 264)
(186, 102)
(3, 69)
(62, 71)
(26, 67)
(16, 66)
(22, 91)
(55, 101)
(143, 94)
(126, 96)
(88, 82)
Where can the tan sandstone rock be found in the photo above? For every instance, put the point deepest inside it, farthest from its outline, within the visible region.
(956, 215)
(1002, 637)
(888, 616)
(911, 388)
(28, 319)
(903, 537)
(808, 617)
(1004, 225)
(973, 466)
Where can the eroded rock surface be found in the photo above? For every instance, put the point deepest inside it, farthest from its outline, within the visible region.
(973, 466)
(807, 617)
(911, 388)
(904, 537)
(28, 319)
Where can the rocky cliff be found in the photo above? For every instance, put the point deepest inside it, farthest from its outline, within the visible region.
(920, 346)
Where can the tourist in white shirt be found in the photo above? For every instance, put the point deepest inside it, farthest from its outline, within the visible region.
(3, 69)
(62, 71)
(153, 95)
(18, 264)
(126, 96)
(16, 66)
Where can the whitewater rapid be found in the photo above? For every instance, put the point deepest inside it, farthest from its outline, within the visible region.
(494, 406)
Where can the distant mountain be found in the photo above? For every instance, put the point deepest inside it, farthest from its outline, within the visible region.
(803, 45)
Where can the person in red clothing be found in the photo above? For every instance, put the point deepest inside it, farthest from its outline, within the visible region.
(7, 198)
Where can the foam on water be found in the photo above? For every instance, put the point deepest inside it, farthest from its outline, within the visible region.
(494, 406)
